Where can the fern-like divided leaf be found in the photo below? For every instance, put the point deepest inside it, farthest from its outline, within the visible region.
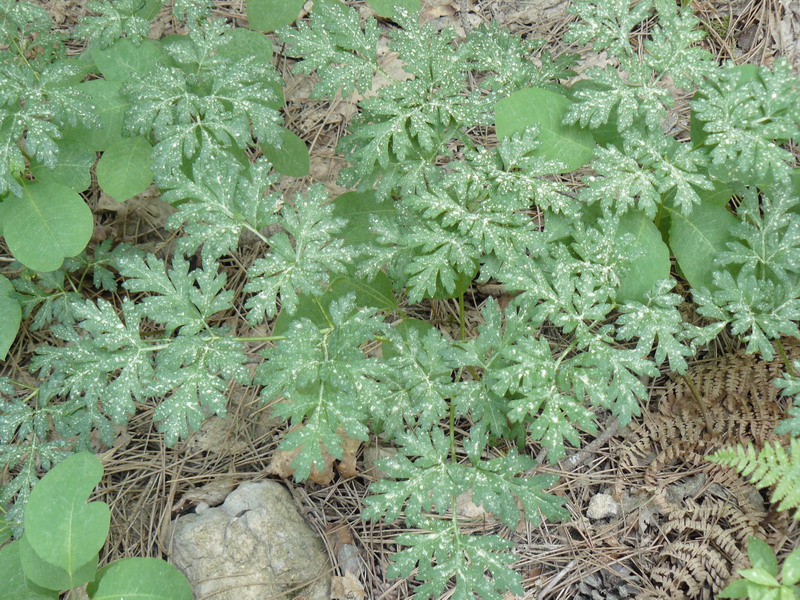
(397, 134)
(222, 202)
(25, 446)
(756, 288)
(746, 121)
(302, 257)
(431, 482)
(773, 465)
(420, 382)
(207, 109)
(114, 20)
(335, 46)
(35, 106)
(648, 167)
(632, 96)
(107, 365)
(325, 381)
(480, 564)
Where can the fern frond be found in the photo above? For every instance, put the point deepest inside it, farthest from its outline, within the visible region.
(772, 465)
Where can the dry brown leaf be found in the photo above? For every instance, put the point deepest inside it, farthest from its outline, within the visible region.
(786, 33)
(466, 508)
(212, 493)
(436, 9)
(344, 548)
(347, 588)
(347, 466)
(281, 463)
(216, 435)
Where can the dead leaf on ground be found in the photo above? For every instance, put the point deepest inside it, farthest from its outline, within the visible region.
(466, 507)
(436, 9)
(347, 588)
(347, 466)
(281, 463)
(212, 493)
(343, 547)
(786, 33)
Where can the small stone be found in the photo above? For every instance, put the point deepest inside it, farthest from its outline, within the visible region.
(255, 545)
(602, 506)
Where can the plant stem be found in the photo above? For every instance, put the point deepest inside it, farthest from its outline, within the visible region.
(452, 432)
(786, 361)
(700, 402)
(461, 319)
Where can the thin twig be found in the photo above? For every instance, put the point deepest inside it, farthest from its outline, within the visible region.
(583, 455)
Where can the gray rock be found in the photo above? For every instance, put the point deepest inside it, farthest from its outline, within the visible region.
(602, 506)
(252, 547)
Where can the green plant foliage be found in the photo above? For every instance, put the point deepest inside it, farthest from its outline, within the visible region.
(119, 19)
(376, 293)
(760, 582)
(433, 204)
(208, 107)
(215, 205)
(110, 108)
(291, 158)
(188, 374)
(16, 585)
(772, 465)
(732, 112)
(652, 263)
(45, 224)
(269, 15)
(389, 8)
(146, 578)
(25, 26)
(242, 44)
(35, 102)
(301, 262)
(647, 168)
(790, 384)
(569, 146)
(60, 527)
(125, 58)
(10, 316)
(335, 46)
(124, 169)
(697, 239)
(324, 378)
(429, 483)
(71, 168)
(632, 93)
(63, 536)
(756, 290)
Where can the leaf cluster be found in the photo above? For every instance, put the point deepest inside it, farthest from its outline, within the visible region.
(436, 210)
(63, 536)
(760, 582)
(770, 466)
